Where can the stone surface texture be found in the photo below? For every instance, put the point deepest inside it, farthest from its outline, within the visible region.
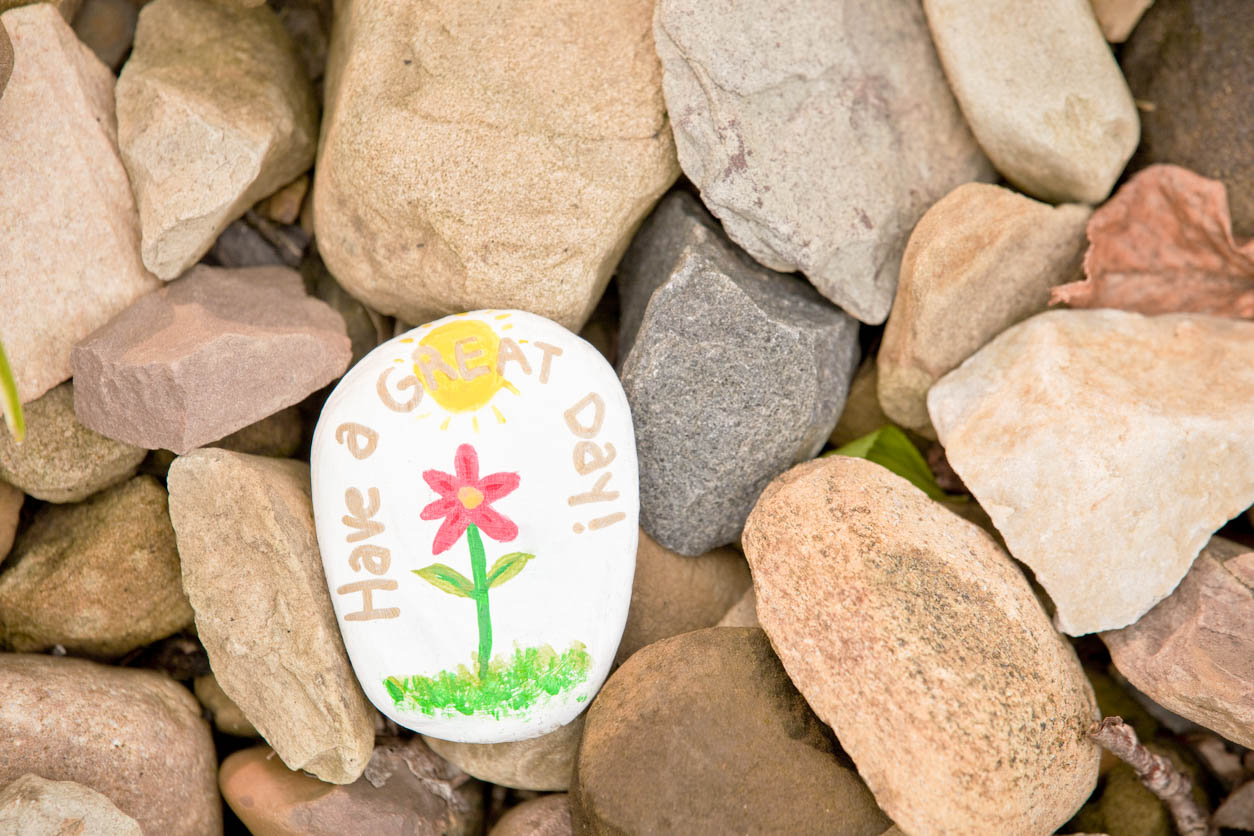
(1237, 811)
(1118, 17)
(744, 613)
(33, 806)
(205, 356)
(68, 9)
(108, 28)
(918, 640)
(227, 716)
(11, 500)
(253, 574)
(1105, 473)
(548, 815)
(543, 763)
(6, 57)
(523, 143)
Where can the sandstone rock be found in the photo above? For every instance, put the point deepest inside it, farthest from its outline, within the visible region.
(744, 613)
(11, 500)
(366, 328)
(980, 260)
(32, 806)
(1118, 17)
(6, 57)
(1056, 118)
(406, 791)
(768, 105)
(227, 716)
(526, 141)
(206, 132)
(205, 356)
(284, 205)
(277, 435)
(67, 8)
(545, 816)
(543, 763)
(1192, 60)
(108, 27)
(252, 572)
(663, 735)
(1105, 474)
(1237, 811)
(134, 736)
(69, 255)
(862, 413)
(794, 354)
(61, 460)
(917, 639)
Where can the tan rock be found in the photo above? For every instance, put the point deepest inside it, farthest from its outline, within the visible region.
(134, 736)
(284, 205)
(227, 716)
(67, 8)
(253, 573)
(206, 133)
(744, 613)
(1118, 17)
(1106, 474)
(1237, 811)
(69, 255)
(548, 815)
(543, 763)
(917, 639)
(33, 806)
(526, 142)
(980, 260)
(6, 57)
(862, 413)
(11, 500)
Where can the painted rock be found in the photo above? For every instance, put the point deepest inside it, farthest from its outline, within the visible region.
(476, 495)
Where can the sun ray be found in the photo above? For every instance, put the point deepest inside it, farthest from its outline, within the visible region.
(511, 387)
(447, 421)
(503, 316)
(500, 419)
(474, 422)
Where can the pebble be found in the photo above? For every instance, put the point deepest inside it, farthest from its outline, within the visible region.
(548, 815)
(1118, 17)
(108, 27)
(703, 733)
(545, 763)
(769, 104)
(99, 578)
(1105, 474)
(227, 716)
(283, 207)
(11, 500)
(980, 260)
(69, 255)
(205, 356)
(205, 133)
(134, 736)
(794, 354)
(33, 806)
(918, 640)
(1056, 117)
(527, 140)
(251, 569)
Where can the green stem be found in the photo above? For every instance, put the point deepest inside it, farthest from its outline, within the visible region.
(479, 573)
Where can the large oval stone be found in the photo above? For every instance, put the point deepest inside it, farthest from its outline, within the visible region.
(476, 495)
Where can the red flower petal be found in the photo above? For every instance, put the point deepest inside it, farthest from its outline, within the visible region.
(441, 508)
(450, 530)
(466, 463)
(440, 482)
(493, 524)
(496, 485)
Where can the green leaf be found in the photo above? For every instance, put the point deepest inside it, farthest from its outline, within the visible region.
(446, 578)
(508, 566)
(890, 448)
(9, 403)
(394, 688)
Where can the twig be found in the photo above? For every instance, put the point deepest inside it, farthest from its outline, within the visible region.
(1158, 775)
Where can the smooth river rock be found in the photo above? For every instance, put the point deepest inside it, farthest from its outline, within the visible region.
(34, 806)
(1105, 473)
(11, 501)
(545, 763)
(548, 815)
(918, 640)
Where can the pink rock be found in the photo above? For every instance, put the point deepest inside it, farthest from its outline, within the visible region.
(206, 355)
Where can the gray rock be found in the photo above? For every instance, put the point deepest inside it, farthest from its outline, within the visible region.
(34, 806)
(735, 374)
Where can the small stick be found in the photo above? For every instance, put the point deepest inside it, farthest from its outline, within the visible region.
(1158, 775)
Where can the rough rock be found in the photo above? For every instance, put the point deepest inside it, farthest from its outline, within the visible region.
(11, 500)
(980, 260)
(108, 27)
(67, 8)
(276, 435)
(61, 460)
(525, 143)
(1193, 60)
(6, 57)
(548, 815)
(69, 255)
(215, 112)
(32, 806)
(283, 207)
(862, 413)
(664, 732)
(366, 328)
(252, 571)
(1056, 118)
(205, 356)
(767, 103)
(744, 613)
(1118, 17)
(134, 736)
(794, 354)
(1105, 474)
(1237, 811)
(543, 763)
(1193, 653)
(227, 716)
(406, 791)
(918, 640)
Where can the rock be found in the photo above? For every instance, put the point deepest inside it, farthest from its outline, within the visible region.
(673, 594)
(251, 570)
(1118, 17)
(68, 9)
(1237, 811)
(205, 133)
(406, 791)
(366, 328)
(275, 435)
(767, 104)
(1105, 475)
(918, 640)
(662, 736)
(69, 255)
(227, 716)
(241, 245)
(1056, 118)
(61, 460)
(980, 260)
(31, 806)
(493, 425)
(545, 816)
(1192, 61)
(99, 578)
(1129, 809)
(134, 736)
(205, 356)
(744, 613)
(11, 500)
(108, 27)
(543, 763)
(309, 24)
(794, 355)
(6, 57)
(529, 140)
(283, 206)
(862, 414)
(1193, 653)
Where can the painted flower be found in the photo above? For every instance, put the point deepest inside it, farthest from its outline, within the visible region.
(466, 499)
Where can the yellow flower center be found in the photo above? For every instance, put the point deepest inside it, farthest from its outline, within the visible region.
(469, 497)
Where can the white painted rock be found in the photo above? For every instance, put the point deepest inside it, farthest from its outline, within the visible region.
(476, 495)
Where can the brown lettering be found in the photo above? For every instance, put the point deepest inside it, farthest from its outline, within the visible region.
(464, 357)
(406, 382)
(597, 494)
(376, 558)
(367, 588)
(508, 351)
(550, 351)
(429, 362)
(360, 439)
(572, 415)
(361, 514)
(589, 457)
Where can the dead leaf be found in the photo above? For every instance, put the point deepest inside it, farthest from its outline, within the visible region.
(1164, 244)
